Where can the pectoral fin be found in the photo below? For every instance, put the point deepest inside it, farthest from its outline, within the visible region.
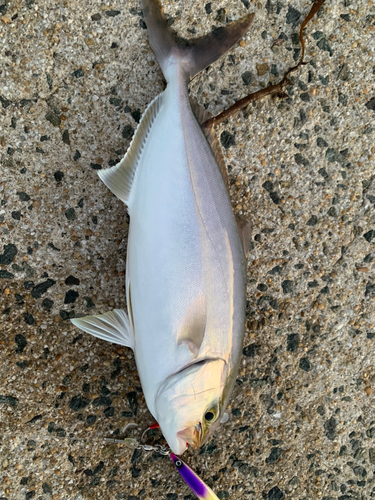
(113, 326)
(193, 326)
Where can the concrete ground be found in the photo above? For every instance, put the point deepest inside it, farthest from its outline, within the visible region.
(75, 79)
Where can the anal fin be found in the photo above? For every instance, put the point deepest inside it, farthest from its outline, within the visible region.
(113, 326)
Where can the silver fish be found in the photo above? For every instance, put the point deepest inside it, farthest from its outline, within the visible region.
(186, 260)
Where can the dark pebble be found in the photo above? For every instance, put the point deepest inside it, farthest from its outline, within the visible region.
(4, 102)
(292, 15)
(30, 494)
(332, 212)
(126, 414)
(360, 471)
(112, 13)
(247, 77)
(10, 251)
(70, 214)
(208, 8)
(132, 400)
(268, 186)
(78, 402)
(21, 343)
(8, 400)
(96, 166)
(324, 45)
(136, 115)
(371, 104)
(77, 155)
(28, 284)
(96, 17)
(346, 17)
(287, 286)
(274, 455)
(71, 296)
(53, 118)
(300, 160)
(292, 342)
(246, 3)
(275, 494)
(305, 97)
(6, 275)
(102, 401)
(323, 172)
(227, 139)
(90, 419)
(115, 101)
(369, 235)
(41, 288)
(29, 320)
(78, 73)
(58, 176)
(23, 196)
(71, 280)
(304, 364)
(321, 142)
(330, 428)
(127, 132)
(98, 468)
(89, 303)
(65, 137)
(250, 350)
(109, 412)
(275, 270)
(16, 215)
(313, 221)
(46, 488)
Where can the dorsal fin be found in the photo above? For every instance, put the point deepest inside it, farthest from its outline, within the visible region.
(119, 179)
(244, 231)
(219, 157)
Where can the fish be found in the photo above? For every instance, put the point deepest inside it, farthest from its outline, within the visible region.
(186, 262)
(195, 483)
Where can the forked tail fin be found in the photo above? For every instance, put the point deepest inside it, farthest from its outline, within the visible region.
(195, 54)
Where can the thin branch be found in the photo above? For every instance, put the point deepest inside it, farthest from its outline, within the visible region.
(272, 89)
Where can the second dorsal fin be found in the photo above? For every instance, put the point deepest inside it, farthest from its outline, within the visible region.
(119, 179)
(203, 115)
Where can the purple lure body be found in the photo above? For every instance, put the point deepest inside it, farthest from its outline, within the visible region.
(201, 490)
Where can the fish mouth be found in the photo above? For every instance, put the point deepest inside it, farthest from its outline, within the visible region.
(192, 435)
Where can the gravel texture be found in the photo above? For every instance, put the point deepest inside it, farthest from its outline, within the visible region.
(75, 78)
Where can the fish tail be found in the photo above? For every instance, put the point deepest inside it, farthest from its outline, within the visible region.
(192, 55)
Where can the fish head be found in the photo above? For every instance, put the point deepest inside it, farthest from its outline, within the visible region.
(190, 404)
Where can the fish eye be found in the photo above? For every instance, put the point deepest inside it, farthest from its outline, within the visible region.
(178, 463)
(209, 416)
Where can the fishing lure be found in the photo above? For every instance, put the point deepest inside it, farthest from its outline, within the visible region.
(195, 483)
